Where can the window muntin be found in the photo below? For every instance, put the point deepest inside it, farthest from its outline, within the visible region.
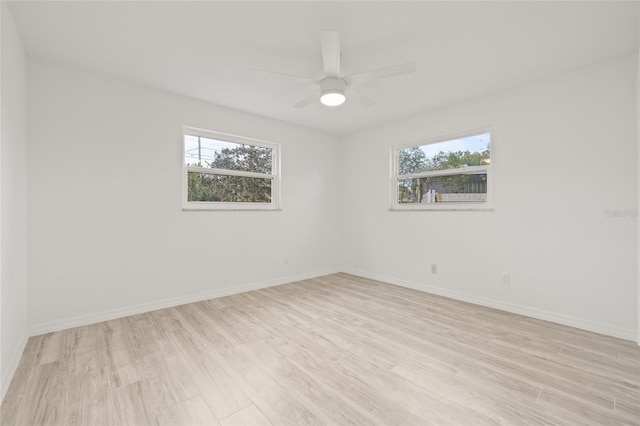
(445, 173)
(229, 172)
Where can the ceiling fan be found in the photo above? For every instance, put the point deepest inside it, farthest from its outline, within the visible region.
(333, 88)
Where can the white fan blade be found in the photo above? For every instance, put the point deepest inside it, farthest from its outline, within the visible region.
(367, 76)
(289, 76)
(312, 96)
(360, 98)
(330, 44)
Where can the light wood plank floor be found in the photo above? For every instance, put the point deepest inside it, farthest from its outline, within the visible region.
(332, 350)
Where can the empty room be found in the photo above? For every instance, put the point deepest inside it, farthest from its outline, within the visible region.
(328, 213)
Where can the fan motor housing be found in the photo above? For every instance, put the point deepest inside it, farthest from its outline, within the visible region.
(332, 85)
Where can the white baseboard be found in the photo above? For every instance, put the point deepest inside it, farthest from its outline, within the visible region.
(81, 320)
(581, 323)
(584, 324)
(7, 376)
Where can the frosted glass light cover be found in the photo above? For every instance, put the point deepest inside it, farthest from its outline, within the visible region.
(332, 98)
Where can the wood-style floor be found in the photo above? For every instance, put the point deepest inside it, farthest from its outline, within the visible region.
(333, 350)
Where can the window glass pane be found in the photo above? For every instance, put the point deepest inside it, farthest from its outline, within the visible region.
(217, 154)
(221, 188)
(463, 188)
(462, 152)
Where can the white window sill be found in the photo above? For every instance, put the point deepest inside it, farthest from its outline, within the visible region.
(229, 207)
(432, 208)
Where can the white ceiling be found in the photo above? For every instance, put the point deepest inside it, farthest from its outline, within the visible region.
(208, 50)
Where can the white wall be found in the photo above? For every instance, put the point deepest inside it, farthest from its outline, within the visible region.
(107, 235)
(563, 152)
(13, 208)
(638, 139)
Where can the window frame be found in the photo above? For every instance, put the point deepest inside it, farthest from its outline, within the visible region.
(274, 205)
(395, 175)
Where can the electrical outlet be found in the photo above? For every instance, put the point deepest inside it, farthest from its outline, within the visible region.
(434, 268)
(506, 278)
(286, 260)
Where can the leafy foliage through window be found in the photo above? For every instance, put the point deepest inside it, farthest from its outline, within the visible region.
(450, 172)
(224, 171)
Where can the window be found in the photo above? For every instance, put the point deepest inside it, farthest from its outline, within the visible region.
(451, 173)
(229, 172)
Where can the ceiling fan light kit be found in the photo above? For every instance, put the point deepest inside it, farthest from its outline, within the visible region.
(332, 91)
